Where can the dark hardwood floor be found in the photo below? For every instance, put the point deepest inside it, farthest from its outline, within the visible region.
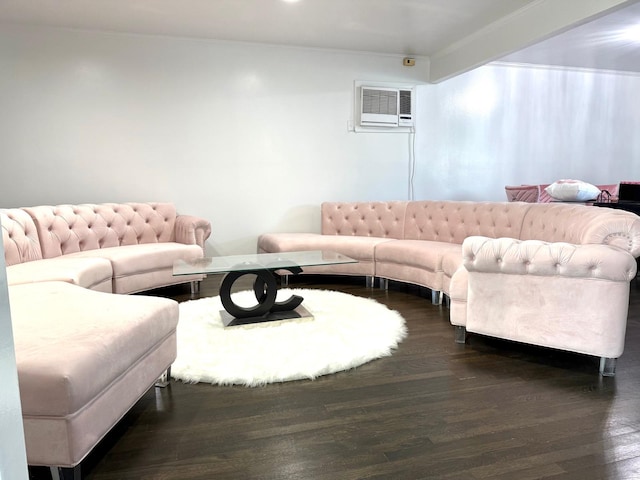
(490, 409)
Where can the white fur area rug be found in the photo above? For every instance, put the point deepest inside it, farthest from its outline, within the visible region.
(346, 332)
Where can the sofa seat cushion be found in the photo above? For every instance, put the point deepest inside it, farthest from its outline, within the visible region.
(452, 260)
(451, 263)
(93, 337)
(132, 259)
(93, 273)
(141, 267)
(413, 261)
(359, 248)
(83, 359)
(416, 253)
(356, 247)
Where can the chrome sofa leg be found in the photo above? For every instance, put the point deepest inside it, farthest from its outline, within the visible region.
(436, 297)
(446, 301)
(284, 280)
(165, 379)
(384, 284)
(607, 366)
(195, 287)
(63, 473)
(369, 281)
(460, 334)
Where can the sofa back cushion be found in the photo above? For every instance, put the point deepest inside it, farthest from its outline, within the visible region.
(19, 236)
(367, 219)
(582, 224)
(73, 228)
(451, 221)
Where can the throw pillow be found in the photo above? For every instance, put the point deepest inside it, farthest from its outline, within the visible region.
(573, 191)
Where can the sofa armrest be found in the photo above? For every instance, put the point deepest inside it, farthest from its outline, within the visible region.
(534, 257)
(192, 230)
(557, 295)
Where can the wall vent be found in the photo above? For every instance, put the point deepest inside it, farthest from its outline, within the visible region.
(386, 107)
(380, 106)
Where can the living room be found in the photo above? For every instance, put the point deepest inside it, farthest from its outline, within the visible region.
(254, 136)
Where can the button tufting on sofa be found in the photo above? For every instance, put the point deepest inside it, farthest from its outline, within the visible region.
(424, 246)
(60, 290)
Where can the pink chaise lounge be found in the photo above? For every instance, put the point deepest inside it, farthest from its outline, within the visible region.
(85, 353)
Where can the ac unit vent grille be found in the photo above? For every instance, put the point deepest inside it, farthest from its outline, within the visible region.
(405, 102)
(383, 102)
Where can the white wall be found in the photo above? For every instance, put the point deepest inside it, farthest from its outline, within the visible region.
(508, 125)
(251, 137)
(13, 459)
(254, 137)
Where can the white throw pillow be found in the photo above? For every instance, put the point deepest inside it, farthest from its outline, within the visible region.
(572, 191)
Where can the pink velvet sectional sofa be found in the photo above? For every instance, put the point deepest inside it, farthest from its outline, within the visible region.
(555, 275)
(85, 353)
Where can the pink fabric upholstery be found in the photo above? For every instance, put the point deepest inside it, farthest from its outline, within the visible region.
(364, 231)
(93, 273)
(570, 297)
(579, 224)
(357, 247)
(587, 249)
(140, 240)
(84, 358)
(374, 219)
(452, 222)
(523, 193)
(413, 261)
(74, 228)
(20, 237)
(192, 230)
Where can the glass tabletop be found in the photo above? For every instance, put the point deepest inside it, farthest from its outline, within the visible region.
(258, 261)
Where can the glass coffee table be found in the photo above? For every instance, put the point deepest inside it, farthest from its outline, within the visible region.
(265, 287)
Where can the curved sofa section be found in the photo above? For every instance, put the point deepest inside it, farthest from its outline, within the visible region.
(422, 242)
(84, 355)
(111, 247)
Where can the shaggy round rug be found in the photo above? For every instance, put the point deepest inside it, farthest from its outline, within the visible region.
(346, 331)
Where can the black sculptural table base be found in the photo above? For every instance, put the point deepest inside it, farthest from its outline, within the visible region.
(265, 289)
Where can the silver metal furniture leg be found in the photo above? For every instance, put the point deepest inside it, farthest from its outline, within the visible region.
(446, 301)
(71, 473)
(460, 334)
(165, 379)
(384, 284)
(195, 287)
(436, 297)
(369, 281)
(284, 280)
(607, 366)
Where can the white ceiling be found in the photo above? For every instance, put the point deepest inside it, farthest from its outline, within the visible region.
(599, 44)
(439, 29)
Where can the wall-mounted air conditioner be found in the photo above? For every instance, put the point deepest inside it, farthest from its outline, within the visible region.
(382, 106)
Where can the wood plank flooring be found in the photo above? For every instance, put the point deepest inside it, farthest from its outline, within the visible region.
(490, 409)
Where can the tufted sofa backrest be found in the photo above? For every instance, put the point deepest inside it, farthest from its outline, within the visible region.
(451, 221)
(370, 219)
(581, 224)
(19, 236)
(73, 228)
